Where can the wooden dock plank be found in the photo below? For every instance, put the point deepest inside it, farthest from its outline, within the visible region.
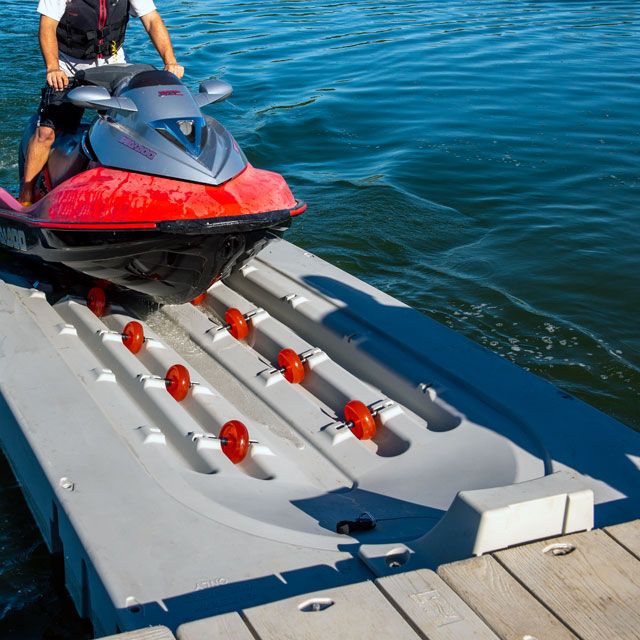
(628, 535)
(228, 626)
(501, 601)
(357, 611)
(433, 607)
(594, 589)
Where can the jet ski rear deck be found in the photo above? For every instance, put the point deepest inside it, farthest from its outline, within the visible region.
(100, 225)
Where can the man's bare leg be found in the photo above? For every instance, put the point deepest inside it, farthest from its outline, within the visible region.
(37, 156)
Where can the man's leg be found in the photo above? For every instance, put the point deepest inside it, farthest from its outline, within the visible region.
(37, 155)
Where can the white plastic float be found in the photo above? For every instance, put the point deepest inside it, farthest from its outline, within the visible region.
(186, 473)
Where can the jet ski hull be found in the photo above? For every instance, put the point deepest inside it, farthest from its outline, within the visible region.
(162, 238)
(170, 267)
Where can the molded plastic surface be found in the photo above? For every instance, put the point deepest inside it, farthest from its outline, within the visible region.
(462, 458)
(103, 196)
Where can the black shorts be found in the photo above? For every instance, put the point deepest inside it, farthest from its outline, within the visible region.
(58, 114)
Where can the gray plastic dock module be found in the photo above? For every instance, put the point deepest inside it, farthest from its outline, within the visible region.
(159, 527)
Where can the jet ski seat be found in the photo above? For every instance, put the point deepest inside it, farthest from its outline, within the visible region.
(152, 79)
(113, 77)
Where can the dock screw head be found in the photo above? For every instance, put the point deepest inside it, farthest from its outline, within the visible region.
(67, 484)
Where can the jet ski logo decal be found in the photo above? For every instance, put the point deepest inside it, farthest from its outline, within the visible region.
(13, 238)
(137, 147)
(170, 92)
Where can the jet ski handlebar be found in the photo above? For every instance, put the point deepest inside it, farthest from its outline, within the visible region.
(213, 91)
(99, 98)
(99, 91)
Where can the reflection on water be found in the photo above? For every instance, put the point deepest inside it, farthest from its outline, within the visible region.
(478, 160)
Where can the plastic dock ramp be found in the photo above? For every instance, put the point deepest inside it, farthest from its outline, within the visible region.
(166, 515)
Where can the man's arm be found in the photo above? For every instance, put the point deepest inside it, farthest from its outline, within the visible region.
(56, 78)
(162, 42)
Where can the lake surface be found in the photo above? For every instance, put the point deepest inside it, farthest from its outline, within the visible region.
(478, 160)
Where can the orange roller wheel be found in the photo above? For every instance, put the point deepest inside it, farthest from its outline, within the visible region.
(234, 439)
(293, 369)
(364, 426)
(97, 301)
(238, 326)
(199, 299)
(133, 336)
(178, 381)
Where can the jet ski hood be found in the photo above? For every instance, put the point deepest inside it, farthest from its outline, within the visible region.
(157, 128)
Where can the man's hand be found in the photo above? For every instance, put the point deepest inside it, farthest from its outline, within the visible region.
(175, 68)
(57, 79)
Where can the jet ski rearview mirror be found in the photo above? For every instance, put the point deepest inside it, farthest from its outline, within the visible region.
(213, 91)
(99, 98)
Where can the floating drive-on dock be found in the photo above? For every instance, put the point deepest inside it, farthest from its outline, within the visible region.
(584, 585)
(197, 476)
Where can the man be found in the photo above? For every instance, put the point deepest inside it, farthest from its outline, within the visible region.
(75, 35)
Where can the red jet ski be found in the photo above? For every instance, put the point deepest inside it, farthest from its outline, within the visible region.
(154, 197)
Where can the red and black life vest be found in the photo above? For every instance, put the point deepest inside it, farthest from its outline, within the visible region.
(91, 29)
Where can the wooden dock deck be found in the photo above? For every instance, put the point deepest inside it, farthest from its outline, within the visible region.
(581, 586)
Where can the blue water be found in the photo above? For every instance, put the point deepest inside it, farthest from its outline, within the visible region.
(478, 160)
